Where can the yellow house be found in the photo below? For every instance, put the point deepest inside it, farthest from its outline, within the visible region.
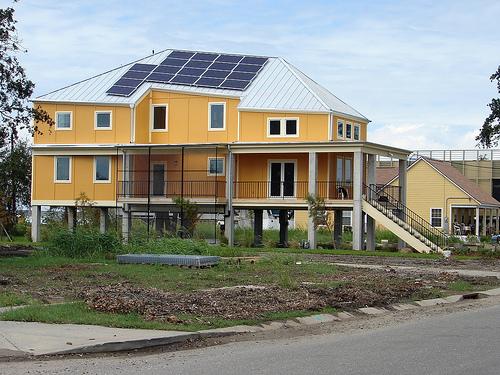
(226, 131)
(448, 199)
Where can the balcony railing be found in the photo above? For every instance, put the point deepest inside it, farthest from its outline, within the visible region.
(171, 189)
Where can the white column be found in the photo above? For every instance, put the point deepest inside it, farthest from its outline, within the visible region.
(477, 221)
(403, 189)
(126, 223)
(229, 216)
(483, 232)
(71, 218)
(497, 224)
(36, 220)
(103, 219)
(357, 210)
(313, 177)
(370, 223)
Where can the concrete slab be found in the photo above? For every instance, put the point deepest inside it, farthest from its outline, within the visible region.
(372, 311)
(432, 302)
(230, 330)
(291, 324)
(272, 326)
(344, 315)
(404, 306)
(454, 298)
(316, 319)
(491, 292)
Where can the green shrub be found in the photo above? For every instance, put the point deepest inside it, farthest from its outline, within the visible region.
(169, 246)
(82, 243)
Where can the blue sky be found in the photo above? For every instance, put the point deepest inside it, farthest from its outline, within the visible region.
(418, 69)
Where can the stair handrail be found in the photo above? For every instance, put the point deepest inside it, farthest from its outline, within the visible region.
(408, 216)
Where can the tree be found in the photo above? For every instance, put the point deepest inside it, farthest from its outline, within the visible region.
(489, 134)
(16, 111)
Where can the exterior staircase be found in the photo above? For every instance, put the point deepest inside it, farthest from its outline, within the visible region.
(387, 210)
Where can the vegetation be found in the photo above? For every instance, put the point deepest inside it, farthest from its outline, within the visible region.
(490, 132)
(14, 299)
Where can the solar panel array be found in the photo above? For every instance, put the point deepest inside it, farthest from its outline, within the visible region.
(201, 69)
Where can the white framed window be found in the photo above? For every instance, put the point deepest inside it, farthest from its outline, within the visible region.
(436, 217)
(340, 129)
(348, 130)
(216, 166)
(103, 120)
(356, 132)
(217, 116)
(160, 118)
(64, 120)
(102, 169)
(283, 127)
(62, 169)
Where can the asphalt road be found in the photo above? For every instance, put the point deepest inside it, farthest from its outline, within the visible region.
(457, 343)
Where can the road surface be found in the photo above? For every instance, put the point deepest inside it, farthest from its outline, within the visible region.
(466, 342)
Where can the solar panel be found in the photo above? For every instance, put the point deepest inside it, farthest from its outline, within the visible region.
(233, 72)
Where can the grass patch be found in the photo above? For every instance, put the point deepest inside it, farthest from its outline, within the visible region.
(14, 299)
(461, 286)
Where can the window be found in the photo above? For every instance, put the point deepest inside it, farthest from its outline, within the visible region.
(102, 169)
(340, 129)
(103, 120)
(437, 217)
(160, 117)
(63, 120)
(348, 130)
(62, 169)
(216, 116)
(356, 132)
(282, 127)
(216, 166)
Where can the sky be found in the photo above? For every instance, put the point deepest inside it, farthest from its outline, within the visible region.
(419, 70)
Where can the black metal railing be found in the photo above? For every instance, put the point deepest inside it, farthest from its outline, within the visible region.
(171, 189)
(270, 189)
(389, 205)
(334, 189)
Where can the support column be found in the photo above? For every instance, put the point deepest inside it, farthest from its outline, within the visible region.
(370, 223)
(337, 228)
(71, 218)
(357, 211)
(126, 224)
(477, 221)
(313, 177)
(497, 224)
(103, 219)
(403, 190)
(483, 231)
(257, 227)
(229, 216)
(283, 228)
(36, 221)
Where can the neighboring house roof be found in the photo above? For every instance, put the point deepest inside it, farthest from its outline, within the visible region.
(454, 176)
(279, 86)
(385, 175)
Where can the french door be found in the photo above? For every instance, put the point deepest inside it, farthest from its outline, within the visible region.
(282, 179)
(158, 179)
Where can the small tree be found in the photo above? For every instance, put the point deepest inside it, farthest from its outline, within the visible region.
(88, 214)
(320, 215)
(189, 216)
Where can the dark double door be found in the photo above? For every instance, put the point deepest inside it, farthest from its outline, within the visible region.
(282, 179)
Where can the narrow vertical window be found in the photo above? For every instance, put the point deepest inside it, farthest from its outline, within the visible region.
(356, 132)
(348, 131)
(340, 129)
(159, 117)
(102, 169)
(62, 169)
(437, 217)
(216, 116)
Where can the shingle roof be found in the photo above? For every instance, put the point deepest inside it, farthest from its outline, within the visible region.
(385, 175)
(278, 87)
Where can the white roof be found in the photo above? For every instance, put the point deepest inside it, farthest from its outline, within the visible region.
(279, 86)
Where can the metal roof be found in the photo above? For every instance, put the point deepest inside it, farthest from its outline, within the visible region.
(278, 87)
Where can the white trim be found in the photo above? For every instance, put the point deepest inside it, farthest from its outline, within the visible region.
(239, 121)
(282, 121)
(282, 161)
(108, 181)
(153, 130)
(330, 127)
(56, 181)
(223, 173)
(110, 127)
(70, 120)
(151, 174)
(210, 104)
(430, 216)
(60, 202)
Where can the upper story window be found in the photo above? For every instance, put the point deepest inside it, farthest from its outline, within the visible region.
(356, 132)
(216, 166)
(437, 217)
(62, 169)
(64, 120)
(160, 117)
(348, 131)
(102, 169)
(283, 127)
(102, 120)
(340, 129)
(216, 116)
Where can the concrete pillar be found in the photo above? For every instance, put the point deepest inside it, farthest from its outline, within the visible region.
(357, 211)
(229, 217)
(71, 218)
(483, 231)
(126, 224)
(312, 186)
(103, 219)
(337, 227)
(403, 190)
(36, 222)
(257, 227)
(283, 228)
(370, 223)
(497, 223)
(477, 221)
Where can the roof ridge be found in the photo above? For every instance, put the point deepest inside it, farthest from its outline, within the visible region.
(289, 67)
